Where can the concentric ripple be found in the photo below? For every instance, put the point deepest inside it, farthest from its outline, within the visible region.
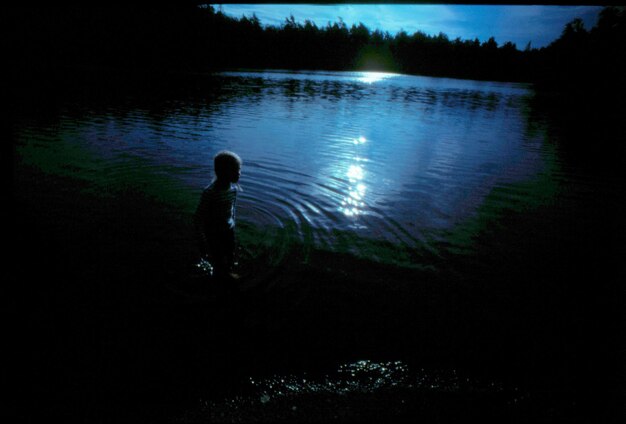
(332, 160)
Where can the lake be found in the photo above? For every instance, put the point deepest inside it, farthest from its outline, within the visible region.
(330, 158)
(442, 222)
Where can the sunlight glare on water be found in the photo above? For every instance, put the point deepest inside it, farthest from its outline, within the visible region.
(389, 157)
(353, 203)
(350, 381)
(372, 77)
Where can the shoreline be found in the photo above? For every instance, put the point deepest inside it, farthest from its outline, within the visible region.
(98, 318)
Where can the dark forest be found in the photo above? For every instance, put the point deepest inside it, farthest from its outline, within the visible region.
(201, 38)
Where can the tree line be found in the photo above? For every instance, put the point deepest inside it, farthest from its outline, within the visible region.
(196, 37)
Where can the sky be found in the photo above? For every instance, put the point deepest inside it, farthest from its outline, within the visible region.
(518, 24)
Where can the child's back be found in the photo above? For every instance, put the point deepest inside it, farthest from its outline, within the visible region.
(216, 210)
(215, 216)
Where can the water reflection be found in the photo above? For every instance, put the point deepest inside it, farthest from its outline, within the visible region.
(372, 77)
(397, 156)
(360, 140)
(353, 204)
(348, 392)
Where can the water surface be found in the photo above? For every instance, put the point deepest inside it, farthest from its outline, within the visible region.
(331, 158)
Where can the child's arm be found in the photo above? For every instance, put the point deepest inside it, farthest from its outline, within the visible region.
(200, 219)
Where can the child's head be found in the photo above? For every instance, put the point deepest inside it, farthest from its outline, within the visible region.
(227, 166)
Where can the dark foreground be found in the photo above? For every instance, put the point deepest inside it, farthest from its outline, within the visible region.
(114, 324)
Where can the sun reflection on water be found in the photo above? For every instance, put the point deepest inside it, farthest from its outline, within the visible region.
(353, 203)
(371, 77)
(355, 173)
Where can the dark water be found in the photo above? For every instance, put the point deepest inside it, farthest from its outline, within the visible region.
(451, 225)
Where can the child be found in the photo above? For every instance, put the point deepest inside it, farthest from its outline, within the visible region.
(215, 216)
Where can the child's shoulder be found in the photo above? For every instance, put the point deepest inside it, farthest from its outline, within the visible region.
(214, 188)
(208, 189)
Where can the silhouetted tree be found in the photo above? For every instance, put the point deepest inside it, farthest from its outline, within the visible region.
(188, 36)
(590, 61)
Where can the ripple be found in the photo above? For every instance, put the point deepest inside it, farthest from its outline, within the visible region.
(327, 155)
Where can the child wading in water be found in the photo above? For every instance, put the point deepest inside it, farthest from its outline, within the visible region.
(215, 216)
